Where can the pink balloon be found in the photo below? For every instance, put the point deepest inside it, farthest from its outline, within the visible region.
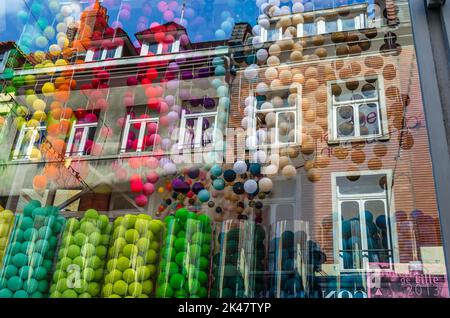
(106, 132)
(141, 200)
(162, 6)
(121, 174)
(152, 177)
(97, 150)
(168, 16)
(149, 188)
(151, 162)
(154, 139)
(152, 128)
(164, 121)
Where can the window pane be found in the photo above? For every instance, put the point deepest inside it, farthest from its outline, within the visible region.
(365, 184)
(377, 230)
(286, 127)
(369, 120)
(309, 29)
(348, 24)
(32, 139)
(331, 26)
(111, 53)
(83, 141)
(345, 121)
(97, 55)
(273, 34)
(195, 126)
(351, 235)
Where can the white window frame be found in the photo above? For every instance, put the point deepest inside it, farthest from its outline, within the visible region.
(380, 101)
(86, 128)
(174, 48)
(361, 22)
(251, 131)
(90, 54)
(32, 141)
(198, 129)
(4, 60)
(129, 122)
(265, 34)
(387, 196)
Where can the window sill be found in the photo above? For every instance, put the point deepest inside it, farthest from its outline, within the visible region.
(335, 142)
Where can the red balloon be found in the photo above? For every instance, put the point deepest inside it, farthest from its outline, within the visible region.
(141, 200)
(151, 74)
(137, 186)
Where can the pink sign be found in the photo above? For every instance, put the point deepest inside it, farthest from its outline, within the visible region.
(414, 284)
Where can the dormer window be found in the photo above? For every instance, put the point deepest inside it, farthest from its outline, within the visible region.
(3, 59)
(103, 54)
(159, 48)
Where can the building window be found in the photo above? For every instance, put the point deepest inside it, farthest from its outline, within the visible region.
(364, 231)
(103, 54)
(275, 121)
(315, 24)
(271, 34)
(197, 130)
(28, 142)
(160, 48)
(357, 109)
(3, 60)
(141, 131)
(82, 136)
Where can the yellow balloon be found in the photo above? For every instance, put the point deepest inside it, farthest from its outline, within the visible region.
(39, 116)
(35, 154)
(30, 99)
(39, 104)
(33, 123)
(48, 89)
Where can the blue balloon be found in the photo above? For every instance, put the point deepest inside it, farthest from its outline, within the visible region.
(369, 216)
(203, 195)
(255, 169)
(216, 170)
(219, 184)
(381, 221)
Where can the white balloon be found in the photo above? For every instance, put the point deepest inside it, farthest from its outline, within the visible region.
(250, 186)
(260, 156)
(265, 184)
(240, 167)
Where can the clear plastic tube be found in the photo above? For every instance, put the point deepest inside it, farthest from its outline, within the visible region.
(81, 257)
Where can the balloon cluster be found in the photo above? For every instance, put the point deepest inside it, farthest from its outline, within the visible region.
(229, 280)
(185, 256)
(6, 225)
(81, 257)
(28, 260)
(133, 256)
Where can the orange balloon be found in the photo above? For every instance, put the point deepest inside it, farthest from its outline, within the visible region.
(56, 113)
(62, 96)
(67, 113)
(59, 81)
(51, 171)
(64, 126)
(39, 182)
(53, 130)
(55, 104)
(58, 145)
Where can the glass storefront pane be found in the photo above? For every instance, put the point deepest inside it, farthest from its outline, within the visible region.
(235, 149)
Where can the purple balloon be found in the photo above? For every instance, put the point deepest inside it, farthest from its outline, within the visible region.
(209, 103)
(197, 187)
(186, 75)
